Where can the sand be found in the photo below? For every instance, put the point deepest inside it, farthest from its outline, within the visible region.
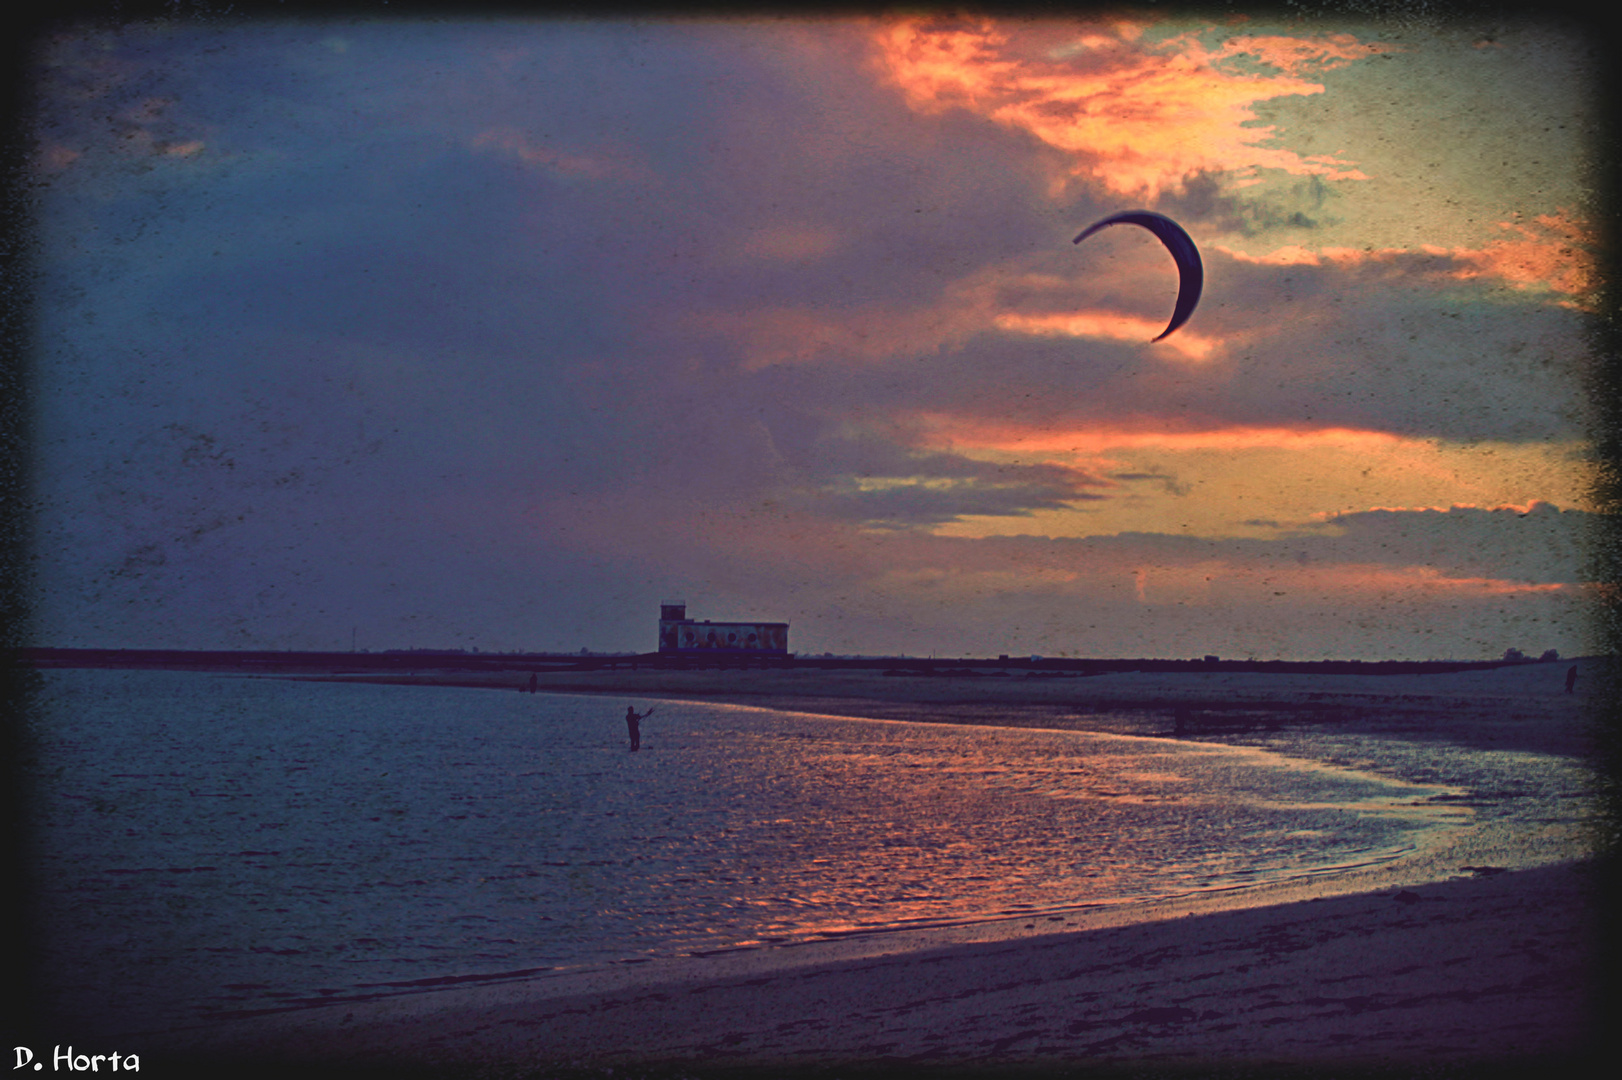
(1476, 953)
(1485, 970)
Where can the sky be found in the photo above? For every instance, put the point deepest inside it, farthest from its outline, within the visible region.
(404, 333)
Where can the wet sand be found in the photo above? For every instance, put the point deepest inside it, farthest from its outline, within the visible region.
(1475, 955)
(1485, 971)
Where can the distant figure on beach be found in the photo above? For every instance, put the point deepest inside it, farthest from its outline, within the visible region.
(634, 723)
(1571, 678)
(532, 682)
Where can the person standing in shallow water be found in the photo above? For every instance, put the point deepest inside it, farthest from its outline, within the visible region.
(1571, 678)
(634, 723)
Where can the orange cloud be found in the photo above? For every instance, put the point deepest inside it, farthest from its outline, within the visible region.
(940, 430)
(1552, 254)
(1134, 115)
(1100, 324)
(1293, 255)
(1409, 579)
(1296, 54)
(1221, 582)
(1245, 481)
(1548, 255)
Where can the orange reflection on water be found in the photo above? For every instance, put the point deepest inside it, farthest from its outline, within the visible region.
(958, 825)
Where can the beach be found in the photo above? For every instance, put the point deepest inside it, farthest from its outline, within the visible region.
(1478, 953)
(1484, 971)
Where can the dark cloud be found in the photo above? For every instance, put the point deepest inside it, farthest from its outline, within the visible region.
(1540, 544)
(1167, 482)
(1286, 212)
(922, 499)
(445, 333)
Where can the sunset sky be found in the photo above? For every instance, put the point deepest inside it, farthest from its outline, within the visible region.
(496, 334)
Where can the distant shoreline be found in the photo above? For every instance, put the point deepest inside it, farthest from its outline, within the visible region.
(1520, 707)
(409, 660)
(1515, 706)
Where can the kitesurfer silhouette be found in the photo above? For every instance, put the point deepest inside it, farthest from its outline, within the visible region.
(633, 724)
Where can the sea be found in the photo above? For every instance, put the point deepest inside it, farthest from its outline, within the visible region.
(205, 846)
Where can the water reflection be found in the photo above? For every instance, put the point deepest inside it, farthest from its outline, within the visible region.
(211, 845)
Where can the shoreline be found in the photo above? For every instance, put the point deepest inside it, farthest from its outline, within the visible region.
(1522, 708)
(1473, 950)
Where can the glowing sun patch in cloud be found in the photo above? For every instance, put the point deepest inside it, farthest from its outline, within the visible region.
(1100, 324)
(962, 434)
(1136, 115)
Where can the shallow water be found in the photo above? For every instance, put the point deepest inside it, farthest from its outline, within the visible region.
(208, 846)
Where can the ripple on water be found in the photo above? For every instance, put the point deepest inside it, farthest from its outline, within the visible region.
(212, 845)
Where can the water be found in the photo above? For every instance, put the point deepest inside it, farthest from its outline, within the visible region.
(209, 846)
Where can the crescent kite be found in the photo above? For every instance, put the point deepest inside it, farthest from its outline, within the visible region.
(1190, 271)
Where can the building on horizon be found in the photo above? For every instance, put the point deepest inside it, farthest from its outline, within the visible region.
(680, 635)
